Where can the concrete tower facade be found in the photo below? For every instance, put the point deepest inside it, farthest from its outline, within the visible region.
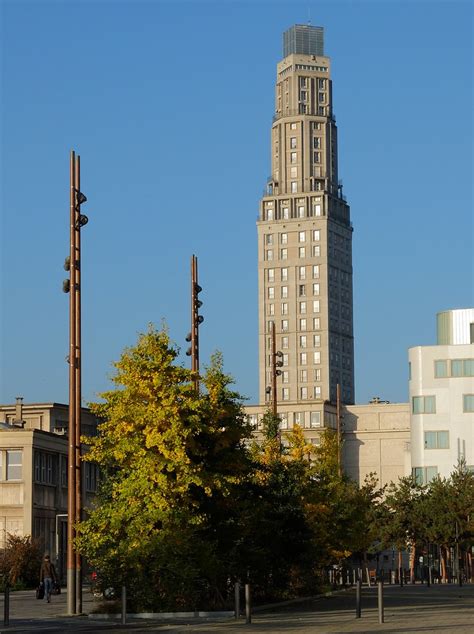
(305, 236)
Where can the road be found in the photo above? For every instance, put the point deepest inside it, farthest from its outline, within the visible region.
(441, 609)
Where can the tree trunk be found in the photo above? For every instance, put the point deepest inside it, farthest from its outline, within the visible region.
(442, 556)
(412, 561)
(469, 573)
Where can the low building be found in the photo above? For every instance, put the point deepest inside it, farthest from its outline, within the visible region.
(34, 474)
(441, 390)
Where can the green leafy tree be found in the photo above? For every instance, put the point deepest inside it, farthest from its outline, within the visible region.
(170, 459)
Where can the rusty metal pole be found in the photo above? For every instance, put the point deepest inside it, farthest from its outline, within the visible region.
(77, 400)
(71, 492)
(194, 321)
(338, 419)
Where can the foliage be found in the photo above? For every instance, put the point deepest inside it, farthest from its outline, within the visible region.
(20, 561)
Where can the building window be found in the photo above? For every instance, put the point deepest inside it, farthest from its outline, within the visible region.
(316, 235)
(271, 275)
(303, 341)
(293, 172)
(315, 419)
(456, 367)
(436, 440)
(302, 272)
(300, 211)
(316, 323)
(284, 254)
(303, 358)
(301, 290)
(283, 238)
(269, 214)
(304, 393)
(284, 292)
(298, 418)
(293, 126)
(271, 309)
(316, 250)
(14, 464)
(303, 325)
(284, 325)
(317, 391)
(269, 254)
(293, 157)
(285, 394)
(269, 239)
(284, 274)
(292, 142)
(285, 376)
(317, 142)
(316, 341)
(316, 358)
(424, 405)
(317, 210)
(316, 306)
(285, 359)
(316, 271)
(468, 403)
(317, 157)
(423, 475)
(286, 213)
(315, 289)
(441, 369)
(301, 236)
(303, 376)
(303, 308)
(284, 308)
(284, 343)
(302, 252)
(294, 187)
(317, 374)
(271, 292)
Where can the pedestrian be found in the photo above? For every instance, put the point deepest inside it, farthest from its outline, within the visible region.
(47, 577)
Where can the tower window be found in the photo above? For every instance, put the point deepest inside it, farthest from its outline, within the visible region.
(293, 142)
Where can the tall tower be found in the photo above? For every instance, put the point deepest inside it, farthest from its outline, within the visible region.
(305, 236)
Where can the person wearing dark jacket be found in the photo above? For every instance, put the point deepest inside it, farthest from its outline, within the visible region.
(48, 577)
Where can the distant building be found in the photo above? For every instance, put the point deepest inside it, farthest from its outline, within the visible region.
(33, 473)
(442, 397)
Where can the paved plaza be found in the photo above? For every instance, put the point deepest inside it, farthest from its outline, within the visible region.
(441, 609)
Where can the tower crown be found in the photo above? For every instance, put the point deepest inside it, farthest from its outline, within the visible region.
(303, 39)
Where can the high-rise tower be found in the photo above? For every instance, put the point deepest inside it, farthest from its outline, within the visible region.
(305, 236)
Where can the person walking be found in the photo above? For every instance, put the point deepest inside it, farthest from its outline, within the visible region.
(47, 577)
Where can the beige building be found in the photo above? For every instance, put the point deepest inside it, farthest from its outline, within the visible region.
(33, 473)
(305, 237)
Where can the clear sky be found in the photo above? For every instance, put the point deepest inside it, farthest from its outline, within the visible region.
(169, 105)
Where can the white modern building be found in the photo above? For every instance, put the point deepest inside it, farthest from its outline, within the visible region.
(441, 391)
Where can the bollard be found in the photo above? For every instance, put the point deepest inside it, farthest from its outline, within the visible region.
(380, 601)
(358, 599)
(248, 607)
(353, 577)
(6, 605)
(237, 599)
(124, 605)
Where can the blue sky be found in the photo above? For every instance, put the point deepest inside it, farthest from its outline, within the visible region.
(169, 105)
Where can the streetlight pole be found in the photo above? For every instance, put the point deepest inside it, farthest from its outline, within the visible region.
(73, 287)
(338, 420)
(196, 321)
(277, 363)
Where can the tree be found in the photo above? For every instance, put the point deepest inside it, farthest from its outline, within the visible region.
(169, 458)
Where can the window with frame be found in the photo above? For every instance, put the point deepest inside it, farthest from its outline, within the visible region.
(285, 213)
(293, 157)
(14, 464)
(269, 254)
(316, 306)
(301, 290)
(436, 439)
(303, 376)
(441, 369)
(285, 376)
(301, 252)
(424, 475)
(316, 357)
(293, 172)
(424, 404)
(315, 419)
(303, 358)
(271, 309)
(317, 157)
(303, 308)
(284, 342)
(271, 292)
(269, 214)
(302, 325)
(304, 392)
(456, 367)
(317, 374)
(284, 274)
(269, 239)
(283, 238)
(317, 142)
(315, 271)
(284, 359)
(285, 394)
(303, 341)
(317, 210)
(292, 142)
(467, 403)
(284, 325)
(284, 308)
(300, 211)
(316, 235)
(283, 254)
(316, 341)
(316, 323)
(301, 236)
(317, 391)
(271, 275)
(284, 292)
(302, 272)
(315, 289)
(298, 418)
(316, 251)
(294, 187)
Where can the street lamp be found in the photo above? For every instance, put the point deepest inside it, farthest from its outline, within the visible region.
(196, 321)
(72, 285)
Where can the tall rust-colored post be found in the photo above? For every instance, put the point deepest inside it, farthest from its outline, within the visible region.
(338, 421)
(196, 320)
(274, 371)
(71, 494)
(78, 395)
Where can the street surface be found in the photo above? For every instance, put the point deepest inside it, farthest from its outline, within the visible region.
(441, 609)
